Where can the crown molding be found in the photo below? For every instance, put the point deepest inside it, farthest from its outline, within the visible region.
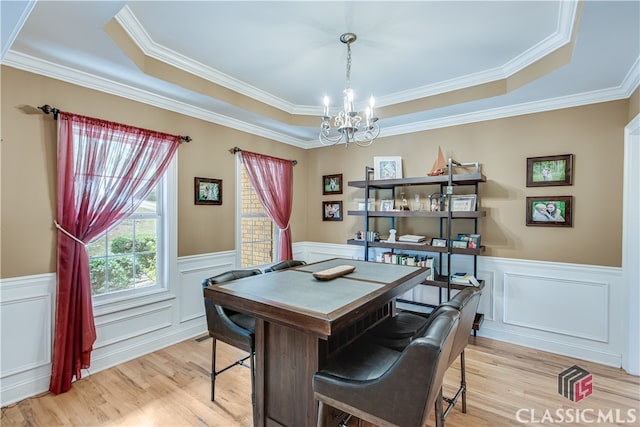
(83, 79)
(141, 38)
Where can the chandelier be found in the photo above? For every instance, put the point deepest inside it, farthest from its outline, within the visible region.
(349, 125)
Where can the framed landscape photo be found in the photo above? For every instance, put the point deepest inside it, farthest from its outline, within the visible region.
(332, 210)
(207, 191)
(462, 244)
(332, 184)
(387, 167)
(550, 171)
(550, 211)
(465, 203)
(439, 243)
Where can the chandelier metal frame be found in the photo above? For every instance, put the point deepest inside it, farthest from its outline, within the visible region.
(349, 125)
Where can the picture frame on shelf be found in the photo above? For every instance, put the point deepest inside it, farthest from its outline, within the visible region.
(550, 211)
(386, 205)
(332, 184)
(332, 210)
(463, 203)
(547, 171)
(461, 244)
(438, 243)
(387, 167)
(473, 239)
(207, 191)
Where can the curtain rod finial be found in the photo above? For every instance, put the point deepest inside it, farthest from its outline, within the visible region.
(48, 109)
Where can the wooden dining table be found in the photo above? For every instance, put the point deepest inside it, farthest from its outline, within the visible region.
(301, 321)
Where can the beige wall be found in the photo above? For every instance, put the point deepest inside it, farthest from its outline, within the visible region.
(29, 164)
(594, 134)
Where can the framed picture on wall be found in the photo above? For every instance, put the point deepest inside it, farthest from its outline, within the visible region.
(332, 184)
(550, 171)
(207, 191)
(332, 210)
(550, 211)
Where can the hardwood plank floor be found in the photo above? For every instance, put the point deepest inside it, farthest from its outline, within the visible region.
(170, 387)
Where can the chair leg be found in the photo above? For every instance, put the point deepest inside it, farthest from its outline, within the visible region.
(213, 369)
(463, 383)
(438, 410)
(253, 384)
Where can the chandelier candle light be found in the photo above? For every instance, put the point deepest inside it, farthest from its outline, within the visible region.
(348, 125)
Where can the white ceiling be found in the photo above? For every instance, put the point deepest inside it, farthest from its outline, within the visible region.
(288, 55)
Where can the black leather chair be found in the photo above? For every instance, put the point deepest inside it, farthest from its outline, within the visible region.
(466, 301)
(231, 327)
(386, 387)
(398, 331)
(283, 265)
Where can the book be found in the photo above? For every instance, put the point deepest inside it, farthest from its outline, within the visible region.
(411, 238)
(461, 278)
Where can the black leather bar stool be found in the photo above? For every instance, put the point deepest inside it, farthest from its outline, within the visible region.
(231, 327)
(384, 386)
(283, 265)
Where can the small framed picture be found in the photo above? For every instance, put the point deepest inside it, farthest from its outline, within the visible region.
(550, 211)
(387, 167)
(332, 210)
(472, 239)
(386, 205)
(207, 191)
(332, 184)
(439, 243)
(459, 244)
(465, 203)
(549, 171)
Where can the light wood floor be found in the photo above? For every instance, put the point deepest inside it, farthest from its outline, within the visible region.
(171, 388)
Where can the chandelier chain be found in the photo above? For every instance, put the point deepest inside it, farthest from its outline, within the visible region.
(348, 66)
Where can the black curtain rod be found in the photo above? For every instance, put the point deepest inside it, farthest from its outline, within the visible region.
(235, 150)
(48, 109)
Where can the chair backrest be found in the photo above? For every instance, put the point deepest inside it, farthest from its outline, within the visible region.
(230, 275)
(283, 265)
(466, 301)
(219, 324)
(428, 360)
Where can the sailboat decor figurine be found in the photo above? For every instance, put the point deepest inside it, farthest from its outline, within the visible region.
(439, 166)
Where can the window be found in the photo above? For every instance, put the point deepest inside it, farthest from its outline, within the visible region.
(125, 257)
(132, 256)
(256, 230)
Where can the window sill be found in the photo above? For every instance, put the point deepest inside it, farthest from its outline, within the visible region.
(127, 301)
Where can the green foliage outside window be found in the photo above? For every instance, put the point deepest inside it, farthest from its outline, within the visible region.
(130, 264)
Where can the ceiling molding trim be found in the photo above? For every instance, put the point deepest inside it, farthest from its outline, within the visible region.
(567, 20)
(141, 38)
(559, 103)
(632, 79)
(58, 72)
(80, 78)
(6, 44)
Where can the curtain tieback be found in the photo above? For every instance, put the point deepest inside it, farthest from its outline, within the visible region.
(59, 227)
(282, 230)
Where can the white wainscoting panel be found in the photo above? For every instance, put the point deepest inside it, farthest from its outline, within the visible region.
(27, 305)
(192, 270)
(569, 307)
(561, 308)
